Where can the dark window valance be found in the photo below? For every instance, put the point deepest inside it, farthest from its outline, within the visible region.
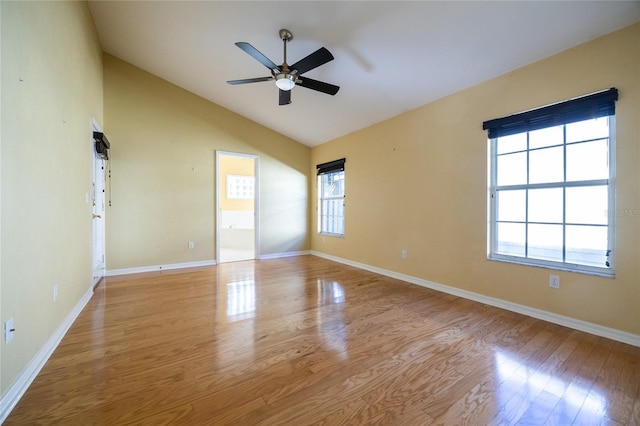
(599, 104)
(102, 144)
(331, 166)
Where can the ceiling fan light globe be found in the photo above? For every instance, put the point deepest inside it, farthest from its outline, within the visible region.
(285, 81)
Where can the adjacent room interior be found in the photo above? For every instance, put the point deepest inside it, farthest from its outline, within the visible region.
(236, 216)
(350, 208)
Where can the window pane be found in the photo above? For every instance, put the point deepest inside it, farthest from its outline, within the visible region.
(326, 187)
(512, 143)
(511, 239)
(512, 169)
(546, 137)
(588, 161)
(339, 182)
(512, 205)
(545, 205)
(332, 217)
(587, 205)
(545, 242)
(587, 245)
(588, 129)
(332, 184)
(546, 165)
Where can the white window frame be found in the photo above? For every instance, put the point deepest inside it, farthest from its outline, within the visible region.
(558, 265)
(321, 215)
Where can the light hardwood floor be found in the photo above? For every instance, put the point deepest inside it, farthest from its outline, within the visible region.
(308, 341)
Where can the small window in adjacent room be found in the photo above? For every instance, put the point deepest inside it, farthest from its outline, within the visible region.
(551, 194)
(240, 187)
(331, 197)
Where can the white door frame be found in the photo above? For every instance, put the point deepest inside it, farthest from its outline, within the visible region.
(98, 187)
(256, 200)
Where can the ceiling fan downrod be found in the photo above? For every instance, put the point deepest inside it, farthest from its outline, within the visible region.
(285, 36)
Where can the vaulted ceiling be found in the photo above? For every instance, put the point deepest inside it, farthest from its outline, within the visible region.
(390, 56)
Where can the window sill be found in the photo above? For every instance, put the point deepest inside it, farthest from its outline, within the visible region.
(328, 234)
(579, 269)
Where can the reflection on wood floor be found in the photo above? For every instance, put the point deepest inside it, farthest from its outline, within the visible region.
(305, 340)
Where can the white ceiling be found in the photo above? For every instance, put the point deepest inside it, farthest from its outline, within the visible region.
(390, 56)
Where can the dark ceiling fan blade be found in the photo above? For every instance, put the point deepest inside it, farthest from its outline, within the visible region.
(255, 54)
(284, 97)
(250, 80)
(320, 86)
(314, 60)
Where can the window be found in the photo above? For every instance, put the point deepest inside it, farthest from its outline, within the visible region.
(240, 187)
(551, 185)
(331, 197)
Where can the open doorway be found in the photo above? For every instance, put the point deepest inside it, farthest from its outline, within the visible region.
(236, 214)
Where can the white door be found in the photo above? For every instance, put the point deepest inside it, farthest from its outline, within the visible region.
(98, 213)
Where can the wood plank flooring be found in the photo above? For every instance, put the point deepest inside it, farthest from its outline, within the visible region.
(305, 340)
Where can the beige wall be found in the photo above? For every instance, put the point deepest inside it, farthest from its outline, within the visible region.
(234, 166)
(51, 89)
(419, 182)
(163, 143)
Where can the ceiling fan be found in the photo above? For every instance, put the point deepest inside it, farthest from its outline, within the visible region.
(288, 76)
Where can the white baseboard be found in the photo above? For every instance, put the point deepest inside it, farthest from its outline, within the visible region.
(153, 268)
(576, 324)
(284, 254)
(24, 380)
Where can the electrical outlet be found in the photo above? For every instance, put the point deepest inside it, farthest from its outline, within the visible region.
(191, 244)
(55, 292)
(9, 329)
(404, 254)
(554, 281)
